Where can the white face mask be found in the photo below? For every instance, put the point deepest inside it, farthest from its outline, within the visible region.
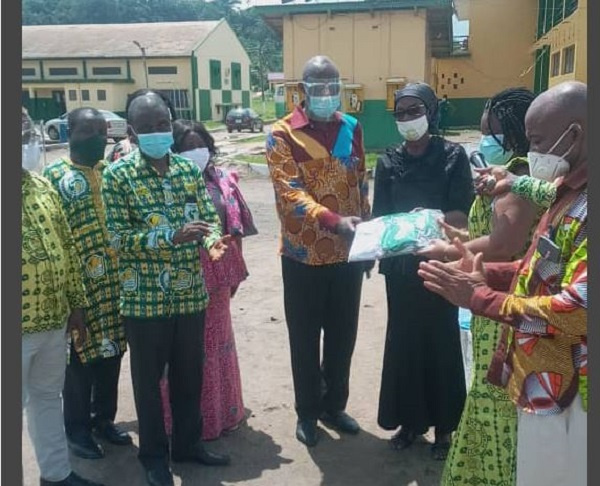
(200, 156)
(414, 129)
(549, 166)
(30, 156)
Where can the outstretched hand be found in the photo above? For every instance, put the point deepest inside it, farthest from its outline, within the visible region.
(455, 281)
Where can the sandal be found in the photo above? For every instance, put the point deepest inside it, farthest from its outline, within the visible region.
(403, 439)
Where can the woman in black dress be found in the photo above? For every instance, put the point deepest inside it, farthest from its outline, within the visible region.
(423, 382)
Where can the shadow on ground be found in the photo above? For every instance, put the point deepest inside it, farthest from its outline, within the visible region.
(369, 460)
(252, 452)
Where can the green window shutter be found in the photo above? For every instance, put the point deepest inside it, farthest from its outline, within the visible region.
(205, 106)
(570, 7)
(215, 74)
(226, 97)
(236, 75)
(558, 10)
(246, 99)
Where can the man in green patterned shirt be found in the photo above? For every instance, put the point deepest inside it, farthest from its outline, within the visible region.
(157, 211)
(52, 300)
(91, 385)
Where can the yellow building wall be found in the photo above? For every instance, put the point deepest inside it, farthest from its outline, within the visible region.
(181, 80)
(501, 34)
(367, 48)
(572, 31)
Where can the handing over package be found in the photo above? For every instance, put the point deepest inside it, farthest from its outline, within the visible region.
(396, 234)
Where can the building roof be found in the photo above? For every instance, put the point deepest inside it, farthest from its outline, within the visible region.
(273, 14)
(164, 39)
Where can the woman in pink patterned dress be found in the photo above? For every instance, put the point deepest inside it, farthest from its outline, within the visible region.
(221, 406)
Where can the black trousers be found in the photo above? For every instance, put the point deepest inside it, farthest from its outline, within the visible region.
(90, 394)
(178, 341)
(321, 298)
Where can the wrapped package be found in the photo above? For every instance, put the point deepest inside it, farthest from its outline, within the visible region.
(396, 234)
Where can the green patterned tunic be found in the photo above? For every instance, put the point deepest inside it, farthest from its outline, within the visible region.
(143, 210)
(484, 445)
(79, 189)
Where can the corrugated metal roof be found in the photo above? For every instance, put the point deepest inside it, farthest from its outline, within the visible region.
(164, 39)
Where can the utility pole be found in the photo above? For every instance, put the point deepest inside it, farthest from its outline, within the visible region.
(143, 49)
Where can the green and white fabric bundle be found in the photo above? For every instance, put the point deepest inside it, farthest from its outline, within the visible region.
(396, 234)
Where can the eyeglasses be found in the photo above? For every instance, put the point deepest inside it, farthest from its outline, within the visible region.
(323, 89)
(412, 111)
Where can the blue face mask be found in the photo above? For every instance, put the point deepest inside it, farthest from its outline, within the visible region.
(155, 145)
(323, 107)
(492, 151)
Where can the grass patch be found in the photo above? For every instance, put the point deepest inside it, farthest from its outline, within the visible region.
(212, 125)
(257, 138)
(266, 111)
(371, 159)
(251, 158)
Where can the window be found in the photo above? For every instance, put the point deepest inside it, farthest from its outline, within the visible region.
(28, 72)
(106, 71)
(65, 71)
(72, 95)
(568, 60)
(180, 100)
(101, 95)
(215, 74)
(236, 75)
(85, 95)
(162, 70)
(555, 64)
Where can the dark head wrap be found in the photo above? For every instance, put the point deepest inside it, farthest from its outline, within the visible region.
(424, 92)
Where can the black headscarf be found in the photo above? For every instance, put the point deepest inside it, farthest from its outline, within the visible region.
(424, 92)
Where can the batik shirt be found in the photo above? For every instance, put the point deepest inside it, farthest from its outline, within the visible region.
(143, 211)
(541, 193)
(542, 355)
(319, 176)
(79, 189)
(50, 268)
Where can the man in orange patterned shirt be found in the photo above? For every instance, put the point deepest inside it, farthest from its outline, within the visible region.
(317, 165)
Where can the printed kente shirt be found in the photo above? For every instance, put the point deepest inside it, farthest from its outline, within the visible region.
(143, 212)
(50, 268)
(79, 189)
(319, 176)
(542, 355)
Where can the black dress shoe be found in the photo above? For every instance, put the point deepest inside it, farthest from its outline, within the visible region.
(113, 434)
(159, 476)
(307, 432)
(202, 456)
(71, 480)
(403, 439)
(340, 421)
(86, 447)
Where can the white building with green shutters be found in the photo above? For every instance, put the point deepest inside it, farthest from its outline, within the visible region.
(202, 66)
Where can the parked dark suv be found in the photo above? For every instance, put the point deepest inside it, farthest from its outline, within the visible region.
(243, 119)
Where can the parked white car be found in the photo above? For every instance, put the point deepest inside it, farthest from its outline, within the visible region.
(117, 126)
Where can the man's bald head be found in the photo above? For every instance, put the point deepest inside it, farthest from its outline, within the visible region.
(561, 110)
(149, 112)
(85, 115)
(320, 67)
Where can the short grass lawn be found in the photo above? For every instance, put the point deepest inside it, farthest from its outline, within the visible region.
(371, 159)
(266, 110)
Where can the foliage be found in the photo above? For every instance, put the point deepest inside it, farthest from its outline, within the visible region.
(261, 43)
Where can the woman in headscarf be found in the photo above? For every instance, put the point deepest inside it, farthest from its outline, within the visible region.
(484, 447)
(221, 405)
(423, 382)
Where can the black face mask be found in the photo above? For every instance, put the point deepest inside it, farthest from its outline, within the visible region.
(90, 150)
